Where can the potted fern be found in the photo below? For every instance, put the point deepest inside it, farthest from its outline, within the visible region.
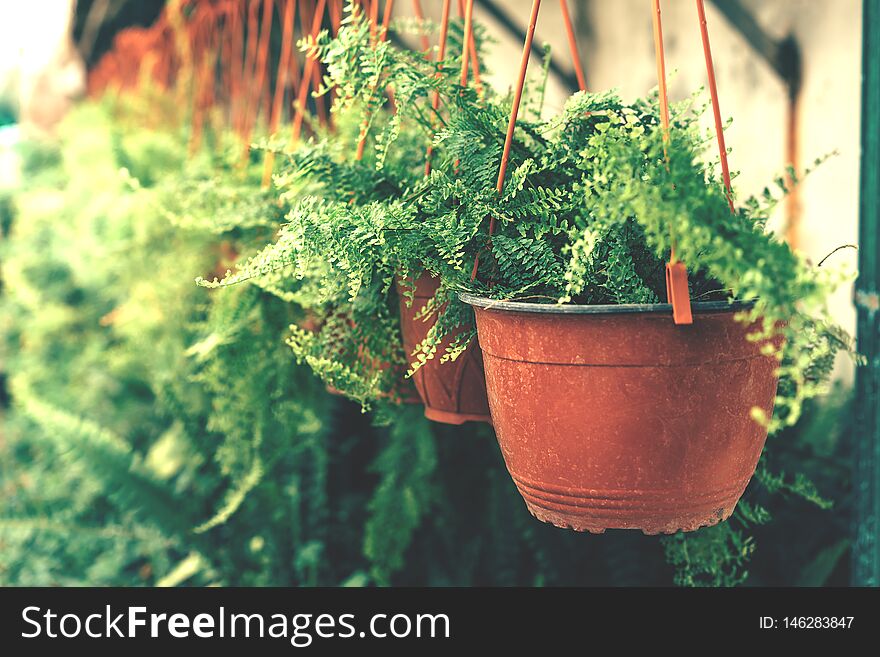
(452, 388)
(375, 308)
(607, 413)
(351, 338)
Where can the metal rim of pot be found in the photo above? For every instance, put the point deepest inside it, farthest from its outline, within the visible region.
(699, 307)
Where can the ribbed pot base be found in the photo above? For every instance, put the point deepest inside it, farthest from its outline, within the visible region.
(648, 524)
(651, 511)
(449, 417)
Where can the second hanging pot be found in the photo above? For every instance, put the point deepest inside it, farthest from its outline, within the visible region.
(453, 392)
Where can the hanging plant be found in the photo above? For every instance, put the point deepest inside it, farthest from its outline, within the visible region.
(581, 351)
(353, 339)
(678, 423)
(355, 343)
(592, 386)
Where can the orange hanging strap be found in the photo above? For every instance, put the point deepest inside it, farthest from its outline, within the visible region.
(317, 75)
(294, 71)
(468, 31)
(517, 99)
(420, 15)
(572, 45)
(471, 41)
(216, 48)
(335, 15)
(200, 34)
(236, 56)
(288, 20)
(661, 75)
(209, 73)
(335, 10)
(514, 114)
(260, 68)
(386, 19)
(677, 292)
(441, 54)
(383, 35)
(374, 18)
(306, 78)
(716, 108)
(475, 62)
(163, 54)
(250, 59)
(224, 51)
(280, 83)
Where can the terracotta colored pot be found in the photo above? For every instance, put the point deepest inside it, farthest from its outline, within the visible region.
(613, 417)
(453, 392)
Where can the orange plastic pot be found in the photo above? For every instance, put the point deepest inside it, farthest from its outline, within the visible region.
(613, 417)
(452, 392)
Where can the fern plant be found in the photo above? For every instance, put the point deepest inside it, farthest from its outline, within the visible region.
(335, 217)
(128, 455)
(593, 200)
(158, 435)
(331, 256)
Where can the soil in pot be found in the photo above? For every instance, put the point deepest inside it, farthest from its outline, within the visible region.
(453, 392)
(613, 417)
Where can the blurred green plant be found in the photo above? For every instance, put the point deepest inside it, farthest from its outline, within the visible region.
(161, 435)
(152, 426)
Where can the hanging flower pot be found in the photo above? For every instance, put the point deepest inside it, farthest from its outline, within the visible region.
(453, 392)
(613, 417)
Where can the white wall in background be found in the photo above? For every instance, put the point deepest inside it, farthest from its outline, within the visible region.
(40, 73)
(619, 52)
